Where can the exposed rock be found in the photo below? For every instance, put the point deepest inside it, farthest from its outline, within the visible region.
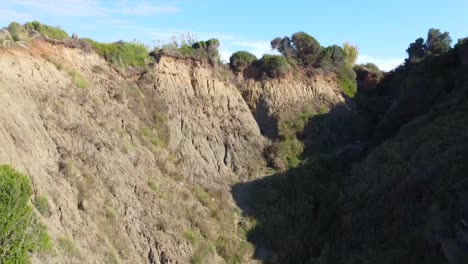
(284, 97)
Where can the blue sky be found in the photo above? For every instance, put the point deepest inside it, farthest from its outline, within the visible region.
(381, 29)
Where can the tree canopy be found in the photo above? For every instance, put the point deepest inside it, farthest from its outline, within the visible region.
(436, 43)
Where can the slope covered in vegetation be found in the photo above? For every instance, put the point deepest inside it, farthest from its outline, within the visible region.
(384, 176)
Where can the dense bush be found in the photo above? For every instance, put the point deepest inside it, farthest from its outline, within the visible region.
(49, 31)
(201, 50)
(301, 47)
(351, 53)
(15, 28)
(436, 43)
(123, 54)
(20, 231)
(241, 59)
(347, 80)
(331, 58)
(274, 66)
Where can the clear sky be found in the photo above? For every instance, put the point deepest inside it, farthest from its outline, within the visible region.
(381, 29)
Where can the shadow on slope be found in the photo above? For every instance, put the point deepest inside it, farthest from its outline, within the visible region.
(400, 198)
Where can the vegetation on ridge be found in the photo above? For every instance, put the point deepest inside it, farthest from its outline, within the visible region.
(384, 178)
(303, 52)
(122, 54)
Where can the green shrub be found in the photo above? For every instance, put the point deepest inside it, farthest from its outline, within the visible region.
(274, 66)
(20, 231)
(204, 253)
(78, 79)
(49, 31)
(202, 196)
(241, 59)
(15, 28)
(192, 237)
(42, 205)
(347, 81)
(370, 67)
(153, 184)
(122, 54)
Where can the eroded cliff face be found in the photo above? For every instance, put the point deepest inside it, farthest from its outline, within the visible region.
(271, 100)
(119, 157)
(212, 130)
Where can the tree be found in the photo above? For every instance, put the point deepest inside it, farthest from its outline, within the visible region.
(416, 51)
(20, 232)
(437, 42)
(283, 46)
(307, 48)
(241, 59)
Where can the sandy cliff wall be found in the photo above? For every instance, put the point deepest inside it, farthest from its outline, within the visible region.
(273, 99)
(117, 157)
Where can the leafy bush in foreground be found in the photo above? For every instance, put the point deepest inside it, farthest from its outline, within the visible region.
(20, 231)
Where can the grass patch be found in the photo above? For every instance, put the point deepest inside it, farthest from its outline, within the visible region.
(192, 237)
(78, 79)
(204, 253)
(202, 196)
(122, 54)
(153, 185)
(42, 205)
(49, 31)
(69, 247)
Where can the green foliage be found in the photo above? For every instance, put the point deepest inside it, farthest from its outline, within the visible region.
(287, 151)
(241, 59)
(122, 54)
(192, 237)
(14, 28)
(331, 58)
(416, 51)
(42, 205)
(307, 48)
(274, 66)
(153, 184)
(49, 31)
(204, 253)
(158, 134)
(301, 47)
(351, 53)
(78, 79)
(202, 196)
(347, 81)
(201, 50)
(232, 250)
(437, 42)
(20, 231)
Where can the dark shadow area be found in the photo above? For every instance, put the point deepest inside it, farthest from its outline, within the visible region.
(384, 177)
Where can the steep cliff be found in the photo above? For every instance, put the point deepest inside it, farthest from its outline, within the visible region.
(137, 166)
(271, 100)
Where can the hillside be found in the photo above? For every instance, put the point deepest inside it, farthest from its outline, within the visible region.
(384, 179)
(113, 154)
(133, 165)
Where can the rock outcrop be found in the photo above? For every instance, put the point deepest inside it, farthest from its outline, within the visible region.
(272, 99)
